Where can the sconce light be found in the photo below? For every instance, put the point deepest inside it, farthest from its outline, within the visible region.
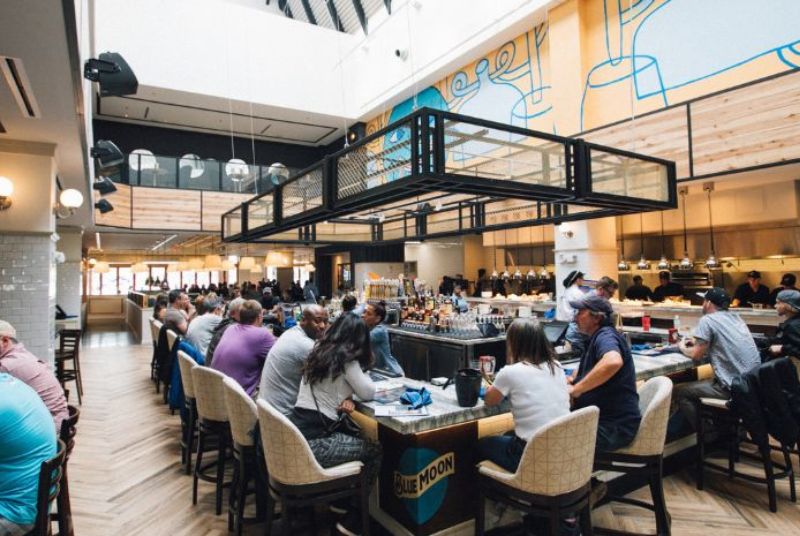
(6, 189)
(566, 230)
(69, 201)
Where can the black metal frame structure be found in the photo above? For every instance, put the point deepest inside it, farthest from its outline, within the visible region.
(435, 173)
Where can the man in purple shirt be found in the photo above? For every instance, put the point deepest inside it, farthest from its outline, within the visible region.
(26, 367)
(243, 348)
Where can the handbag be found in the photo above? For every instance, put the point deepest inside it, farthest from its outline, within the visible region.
(344, 424)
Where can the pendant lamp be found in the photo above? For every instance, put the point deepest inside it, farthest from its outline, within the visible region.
(213, 262)
(686, 263)
(642, 264)
(712, 262)
(494, 269)
(622, 265)
(245, 263)
(196, 264)
(663, 264)
(544, 274)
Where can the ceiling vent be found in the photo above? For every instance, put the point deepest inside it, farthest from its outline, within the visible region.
(20, 86)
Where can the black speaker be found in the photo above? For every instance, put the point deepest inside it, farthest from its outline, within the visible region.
(113, 73)
(107, 154)
(104, 206)
(104, 185)
(356, 132)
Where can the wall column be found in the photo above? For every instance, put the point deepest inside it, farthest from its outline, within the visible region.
(592, 249)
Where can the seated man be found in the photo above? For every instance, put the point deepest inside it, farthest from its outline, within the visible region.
(27, 438)
(231, 318)
(202, 328)
(786, 342)
(280, 379)
(606, 377)
(23, 365)
(179, 312)
(244, 347)
(724, 337)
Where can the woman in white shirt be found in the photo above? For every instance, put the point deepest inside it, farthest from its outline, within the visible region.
(534, 384)
(332, 374)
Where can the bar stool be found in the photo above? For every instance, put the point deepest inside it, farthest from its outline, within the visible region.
(725, 415)
(553, 477)
(243, 416)
(297, 478)
(69, 341)
(212, 422)
(67, 436)
(645, 455)
(189, 426)
(51, 475)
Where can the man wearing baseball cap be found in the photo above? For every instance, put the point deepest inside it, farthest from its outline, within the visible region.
(606, 377)
(788, 282)
(751, 291)
(724, 337)
(787, 339)
(16, 360)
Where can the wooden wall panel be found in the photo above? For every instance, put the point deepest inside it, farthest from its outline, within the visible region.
(159, 208)
(121, 200)
(215, 204)
(747, 127)
(662, 134)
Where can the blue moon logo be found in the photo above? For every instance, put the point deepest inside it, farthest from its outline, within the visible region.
(421, 481)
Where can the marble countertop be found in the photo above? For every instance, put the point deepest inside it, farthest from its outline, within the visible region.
(445, 411)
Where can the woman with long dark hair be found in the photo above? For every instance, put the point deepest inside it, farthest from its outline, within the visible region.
(534, 384)
(332, 374)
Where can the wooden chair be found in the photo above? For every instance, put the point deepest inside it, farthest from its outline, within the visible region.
(69, 342)
(51, 474)
(645, 455)
(553, 477)
(243, 416)
(189, 426)
(67, 436)
(297, 478)
(212, 422)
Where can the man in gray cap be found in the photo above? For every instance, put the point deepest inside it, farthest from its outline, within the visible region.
(606, 377)
(787, 339)
(725, 339)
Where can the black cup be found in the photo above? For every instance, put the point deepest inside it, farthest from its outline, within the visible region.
(468, 387)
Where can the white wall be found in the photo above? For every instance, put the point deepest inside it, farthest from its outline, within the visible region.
(68, 273)
(387, 270)
(231, 50)
(31, 168)
(436, 258)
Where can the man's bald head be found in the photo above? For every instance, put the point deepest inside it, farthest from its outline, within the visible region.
(314, 321)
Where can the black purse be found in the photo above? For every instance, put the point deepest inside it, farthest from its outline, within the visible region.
(344, 424)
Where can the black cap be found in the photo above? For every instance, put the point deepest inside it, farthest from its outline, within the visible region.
(573, 276)
(717, 296)
(593, 302)
(755, 274)
(788, 280)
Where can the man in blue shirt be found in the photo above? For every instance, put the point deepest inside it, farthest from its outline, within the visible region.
(606, 377)
(27, 438)
(460, 303)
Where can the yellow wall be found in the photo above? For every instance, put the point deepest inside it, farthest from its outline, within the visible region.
(591, 63)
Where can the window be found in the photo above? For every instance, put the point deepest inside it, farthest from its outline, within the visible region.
(174, 280)
(118, 280)
(203, 279)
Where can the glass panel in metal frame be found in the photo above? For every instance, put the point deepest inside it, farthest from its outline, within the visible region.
(474, 150)
(385, 159)
(303, 193)
(259, 211)
(621, 175)
(232, 223)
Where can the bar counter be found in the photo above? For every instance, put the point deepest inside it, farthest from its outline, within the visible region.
(427, 480)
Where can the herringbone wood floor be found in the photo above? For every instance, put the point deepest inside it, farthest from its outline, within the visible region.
(125, 476)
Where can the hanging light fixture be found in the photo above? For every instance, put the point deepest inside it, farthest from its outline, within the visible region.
(101, 267)
(506, 274)
(196, 264)
(213, 262)
(622, 265)
(531, 274)
(245, 263)
(642, 264)
(494, 250)
(663, 264)
(226, 265)
(544, 274)
(686, 263)
(712, 262)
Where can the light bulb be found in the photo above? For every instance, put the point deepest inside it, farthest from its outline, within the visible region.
(623, 266)
(663, 264)
(712, 262)
(531, 274)
(686, 263)
(6, 187)
(643, 264)
(544, 274)
(506, 275)
(517, 274)
(71, 198)
(494, 274)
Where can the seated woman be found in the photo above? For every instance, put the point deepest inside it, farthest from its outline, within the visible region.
(333, 372)
(374, 315)
(534, 384)
(160, 308)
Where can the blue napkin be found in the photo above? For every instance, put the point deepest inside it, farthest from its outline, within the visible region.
(416, 398)
(640, 347)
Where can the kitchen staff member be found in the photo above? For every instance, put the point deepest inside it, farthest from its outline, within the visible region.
(787, 283)
(666, 287)
(751, 291)
(565, 312)
(459, 301)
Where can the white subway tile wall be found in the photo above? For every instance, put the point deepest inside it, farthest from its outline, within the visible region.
(26, 298)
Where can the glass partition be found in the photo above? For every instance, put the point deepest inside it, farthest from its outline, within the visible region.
(260, 211)
(302, 193)
(624, 175)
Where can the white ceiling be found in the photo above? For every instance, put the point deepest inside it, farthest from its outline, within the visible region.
(34, 31)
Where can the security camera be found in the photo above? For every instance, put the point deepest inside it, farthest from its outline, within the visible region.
(401, 53)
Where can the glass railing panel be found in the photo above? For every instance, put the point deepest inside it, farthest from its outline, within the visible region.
(623, 175)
